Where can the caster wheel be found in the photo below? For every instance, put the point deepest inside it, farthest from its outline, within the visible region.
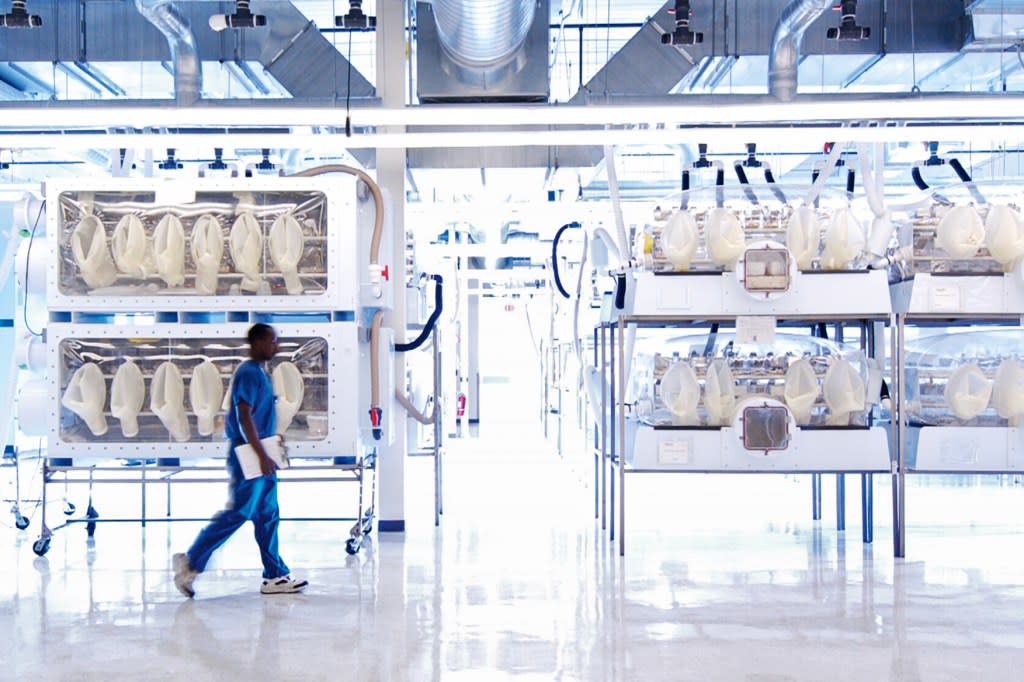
(69, 509)
(90, 527)
(21, 522)
(41, 546)
(351, 547)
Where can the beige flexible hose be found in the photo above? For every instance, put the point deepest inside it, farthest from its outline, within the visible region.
(413, 410)
(378, 200)
(378, 230)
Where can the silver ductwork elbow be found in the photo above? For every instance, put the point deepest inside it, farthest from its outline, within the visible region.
(188, 74)
(784, 56)
(483, 34)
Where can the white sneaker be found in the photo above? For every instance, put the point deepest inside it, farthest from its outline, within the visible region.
(184, 575)
(283, 585)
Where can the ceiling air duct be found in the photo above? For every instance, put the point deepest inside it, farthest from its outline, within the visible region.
(482, 50)
(188, 76)
(784, 57)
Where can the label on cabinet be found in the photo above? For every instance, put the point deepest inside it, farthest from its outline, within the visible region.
(755, 329)
(674, 452)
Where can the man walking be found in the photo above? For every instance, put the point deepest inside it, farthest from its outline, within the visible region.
(250, 417)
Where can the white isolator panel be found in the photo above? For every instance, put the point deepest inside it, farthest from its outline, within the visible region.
(855, 294)
(722, 450)
(151, 244)
(961, 294)
(324, 416)
(965, 449)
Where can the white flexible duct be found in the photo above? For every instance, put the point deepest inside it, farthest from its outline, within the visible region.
(610, 250)
(131, 247)
(89, 249)
(206, 393)
(826, 172)
(578, 339)
(289, 390)
(86, 396)
(207, 251)
(873, 181)
(286, 245)
(613, 188)
(169, 250)
(167, 400)
(620, 227)
(127, 396)
(246, 246)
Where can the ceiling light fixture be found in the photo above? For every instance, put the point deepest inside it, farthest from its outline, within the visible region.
(848, 28)
(242, 18)
(682, 35)
(19, 17)
(355, 18)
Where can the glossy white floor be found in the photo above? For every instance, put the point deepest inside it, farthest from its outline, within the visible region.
(725, 578)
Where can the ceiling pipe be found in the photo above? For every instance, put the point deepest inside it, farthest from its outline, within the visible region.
(188, 75)
(784, 57)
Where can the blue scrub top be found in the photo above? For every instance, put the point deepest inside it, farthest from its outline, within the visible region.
(251, 385)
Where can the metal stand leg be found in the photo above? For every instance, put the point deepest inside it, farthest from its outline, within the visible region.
(604, 432)
(867, 508)
(840, 501)
(622, 438)
(816, 497)
(143, 486)
(899, 433)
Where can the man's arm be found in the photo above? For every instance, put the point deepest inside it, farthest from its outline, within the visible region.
(252, 436)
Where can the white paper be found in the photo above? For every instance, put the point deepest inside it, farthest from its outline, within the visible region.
(250, 461)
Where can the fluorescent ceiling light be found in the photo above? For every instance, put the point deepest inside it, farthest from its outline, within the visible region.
(806, 137)
(711, 110)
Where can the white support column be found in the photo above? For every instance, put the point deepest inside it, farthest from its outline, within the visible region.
(391, 65)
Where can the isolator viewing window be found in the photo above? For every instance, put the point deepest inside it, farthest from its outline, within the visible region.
(216, 243)
(766, 270)
(159, 390)
(765, 428)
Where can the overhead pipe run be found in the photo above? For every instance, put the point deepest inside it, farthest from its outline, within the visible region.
(188, 75)
(784, 56)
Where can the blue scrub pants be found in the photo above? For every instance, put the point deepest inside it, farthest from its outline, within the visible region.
(255, 500)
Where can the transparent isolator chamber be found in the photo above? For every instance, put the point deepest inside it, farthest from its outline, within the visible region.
(682, 381)
(160, 390)
(225, 242)
(971, 378)
(954, 231)
(719, 223)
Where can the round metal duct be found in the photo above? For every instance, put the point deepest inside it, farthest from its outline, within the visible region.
(483, 33)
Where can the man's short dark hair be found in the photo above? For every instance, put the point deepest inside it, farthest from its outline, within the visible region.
(258, 332)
